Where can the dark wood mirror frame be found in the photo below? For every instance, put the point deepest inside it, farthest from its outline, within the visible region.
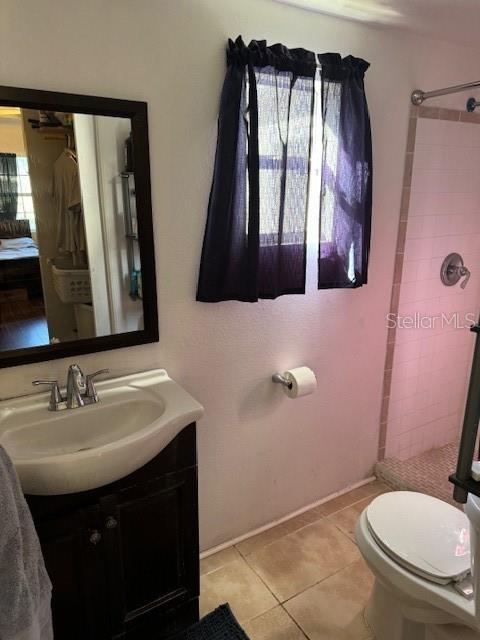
(137, 113)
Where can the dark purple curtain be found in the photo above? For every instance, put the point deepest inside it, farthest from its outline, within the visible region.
(8, 186)
(255, 237)
(346, 196)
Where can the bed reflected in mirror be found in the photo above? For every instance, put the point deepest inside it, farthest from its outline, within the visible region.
(70, 264)
(23, 322)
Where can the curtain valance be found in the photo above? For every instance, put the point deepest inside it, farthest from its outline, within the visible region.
(257, 53)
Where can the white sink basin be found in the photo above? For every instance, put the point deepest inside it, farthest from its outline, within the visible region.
(79, 449)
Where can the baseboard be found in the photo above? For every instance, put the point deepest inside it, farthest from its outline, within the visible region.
(254, 532)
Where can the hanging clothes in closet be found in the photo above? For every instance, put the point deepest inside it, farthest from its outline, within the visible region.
(68, 205)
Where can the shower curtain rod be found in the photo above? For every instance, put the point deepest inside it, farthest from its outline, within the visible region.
(418, 96)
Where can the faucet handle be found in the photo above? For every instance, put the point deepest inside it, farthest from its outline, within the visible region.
(91, 391)
(465, 272)
(55, 394)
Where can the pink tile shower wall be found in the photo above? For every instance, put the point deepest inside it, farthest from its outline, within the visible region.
(431, 360)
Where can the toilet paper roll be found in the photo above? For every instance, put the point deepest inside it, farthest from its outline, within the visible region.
(302, 382)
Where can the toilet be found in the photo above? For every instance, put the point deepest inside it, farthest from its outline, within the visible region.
(420, 551)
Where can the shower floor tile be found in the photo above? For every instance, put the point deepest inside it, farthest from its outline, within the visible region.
(427, 473)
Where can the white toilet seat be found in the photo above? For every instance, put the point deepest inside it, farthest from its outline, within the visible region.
(423, 534)
(419, 599)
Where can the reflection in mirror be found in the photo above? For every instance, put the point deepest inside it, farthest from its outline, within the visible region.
(69, 258)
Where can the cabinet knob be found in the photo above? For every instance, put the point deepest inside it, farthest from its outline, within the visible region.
(95, 537)
(110, 522)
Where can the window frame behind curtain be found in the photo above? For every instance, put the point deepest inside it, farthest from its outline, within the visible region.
(289, 236)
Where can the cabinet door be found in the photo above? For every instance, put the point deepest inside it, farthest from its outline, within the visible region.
(72, 549)
(151, 546)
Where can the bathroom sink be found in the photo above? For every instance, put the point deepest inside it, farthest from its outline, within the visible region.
(79, 449)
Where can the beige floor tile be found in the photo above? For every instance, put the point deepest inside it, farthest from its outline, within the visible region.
(346, 519)
(217, 560)
(238, 585)
(275, 624)
(347, 499)
(334, 609)
(255, 543)
(275, 533)
(302, 558)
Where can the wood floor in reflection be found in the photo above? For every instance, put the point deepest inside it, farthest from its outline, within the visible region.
(23, 324)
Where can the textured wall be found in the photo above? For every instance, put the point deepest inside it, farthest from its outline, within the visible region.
(261, 455)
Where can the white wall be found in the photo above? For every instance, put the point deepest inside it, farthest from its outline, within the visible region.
(90, 180)
(260, 454)
(11, 136)
(111, 133)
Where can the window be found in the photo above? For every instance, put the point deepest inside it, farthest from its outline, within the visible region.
(273, 91)
(25, 210)
(293, 158)
(283, 141)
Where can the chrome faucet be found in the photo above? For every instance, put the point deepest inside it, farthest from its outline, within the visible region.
(80, 389)
(76, 387)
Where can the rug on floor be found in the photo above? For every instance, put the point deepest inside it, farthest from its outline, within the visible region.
(220, 624)
(426, 473)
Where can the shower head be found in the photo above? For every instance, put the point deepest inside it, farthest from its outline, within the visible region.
(472, 104)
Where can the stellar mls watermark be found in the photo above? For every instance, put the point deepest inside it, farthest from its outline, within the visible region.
(420, 320)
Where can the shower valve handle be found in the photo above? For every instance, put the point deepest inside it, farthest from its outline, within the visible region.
(464, 272)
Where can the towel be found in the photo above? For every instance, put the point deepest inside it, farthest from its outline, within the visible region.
(25, 588)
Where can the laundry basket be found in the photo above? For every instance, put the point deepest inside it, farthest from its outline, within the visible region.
(72, 285)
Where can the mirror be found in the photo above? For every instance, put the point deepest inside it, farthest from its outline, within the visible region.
(77, 268)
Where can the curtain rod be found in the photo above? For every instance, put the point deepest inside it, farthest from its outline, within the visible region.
(418, 96)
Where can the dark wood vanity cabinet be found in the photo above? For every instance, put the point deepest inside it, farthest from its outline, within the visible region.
(123, 559)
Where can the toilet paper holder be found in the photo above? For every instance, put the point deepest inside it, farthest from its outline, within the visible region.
(278, 378)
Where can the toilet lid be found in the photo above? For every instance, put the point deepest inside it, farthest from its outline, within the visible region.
(423, 534)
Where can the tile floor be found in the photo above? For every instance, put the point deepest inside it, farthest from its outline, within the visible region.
(302, 579)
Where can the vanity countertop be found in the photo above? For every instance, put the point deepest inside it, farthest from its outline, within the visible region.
(72, 450)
